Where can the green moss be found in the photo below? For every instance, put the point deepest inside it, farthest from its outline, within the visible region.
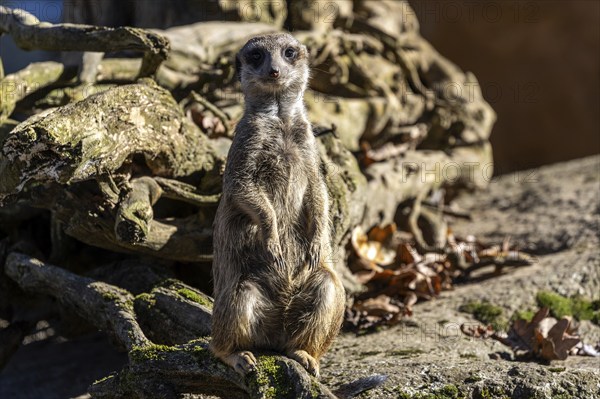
(450, 391)
(109, 296)
(194, 297)
(314, 389)
(368, 353)
(526, 315)
(150, 352)
(473, 378)
(576, 306)
(148, 298)
(490, 393)
(486, 313)
(269, 379)
(556, 369)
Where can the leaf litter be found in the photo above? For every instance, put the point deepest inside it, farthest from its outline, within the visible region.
(396, 275)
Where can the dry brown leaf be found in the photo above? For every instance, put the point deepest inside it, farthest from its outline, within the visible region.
(407, 254)
(373, 251)
(382, 234)
(543, 337)
(377, 306)
(477, 331)
(394, 272)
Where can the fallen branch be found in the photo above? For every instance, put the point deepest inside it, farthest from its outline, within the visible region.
(174, 313)
(135, 211)
(31, 34)
(184, 192)
(18, 85)
(181, 239)
(107, 307)
(158, 370)
(168, 371)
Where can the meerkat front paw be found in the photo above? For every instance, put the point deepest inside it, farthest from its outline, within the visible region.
(307, 361)
(276, 253)
(314, 255)
(243, 362)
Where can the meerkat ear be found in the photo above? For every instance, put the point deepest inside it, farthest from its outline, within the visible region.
(238, 67)
(304, 53)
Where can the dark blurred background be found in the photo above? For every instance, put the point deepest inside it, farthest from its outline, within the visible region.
(538, 63)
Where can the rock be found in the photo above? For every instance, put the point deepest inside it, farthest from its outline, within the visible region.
(555, 210)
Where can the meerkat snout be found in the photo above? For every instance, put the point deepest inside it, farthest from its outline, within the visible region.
(273, 62)
(274, 73)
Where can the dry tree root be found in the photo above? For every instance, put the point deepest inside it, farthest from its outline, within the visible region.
(29, 33)
(159, 370)
(107, 307)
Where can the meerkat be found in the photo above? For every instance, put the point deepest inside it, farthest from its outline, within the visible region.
(273, 284)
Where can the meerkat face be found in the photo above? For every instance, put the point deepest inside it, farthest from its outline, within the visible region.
(273, 62)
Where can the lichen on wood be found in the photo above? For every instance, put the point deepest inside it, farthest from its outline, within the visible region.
(72, 143)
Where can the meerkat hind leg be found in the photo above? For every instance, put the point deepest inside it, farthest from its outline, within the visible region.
(313, 318)
(235, 325)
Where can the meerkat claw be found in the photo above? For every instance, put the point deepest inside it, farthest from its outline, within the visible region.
(307, 361)
(314, 257)
(243, 362)
(276, 255)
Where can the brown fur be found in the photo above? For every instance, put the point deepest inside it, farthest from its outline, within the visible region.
(274, 287)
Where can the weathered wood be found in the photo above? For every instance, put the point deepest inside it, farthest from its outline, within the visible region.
(135, 210)
(107, 307)
(168, 371)
(174, 313)
(181, 239)
(31, 34)
(73, 143)
(188, 368)
(16, 86)
(184, 192)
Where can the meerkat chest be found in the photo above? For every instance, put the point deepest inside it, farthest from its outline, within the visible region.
(282, 166)
(281, 159)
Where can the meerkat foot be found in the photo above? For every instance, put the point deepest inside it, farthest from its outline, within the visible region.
(243, 362)
(307, 361)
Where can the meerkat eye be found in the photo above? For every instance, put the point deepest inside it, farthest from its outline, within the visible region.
(255, 55)
(290, 53)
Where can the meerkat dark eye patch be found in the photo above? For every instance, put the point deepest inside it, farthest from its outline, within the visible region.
(255, 57)
(290, 53)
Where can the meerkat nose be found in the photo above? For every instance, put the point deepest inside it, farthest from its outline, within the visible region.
(274, 73)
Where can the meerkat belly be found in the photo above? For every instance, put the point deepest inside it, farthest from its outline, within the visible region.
(286, 184)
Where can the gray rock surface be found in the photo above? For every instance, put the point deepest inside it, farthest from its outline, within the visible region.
(552, 212)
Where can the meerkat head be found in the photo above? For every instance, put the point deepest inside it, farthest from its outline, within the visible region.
(271, 63)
